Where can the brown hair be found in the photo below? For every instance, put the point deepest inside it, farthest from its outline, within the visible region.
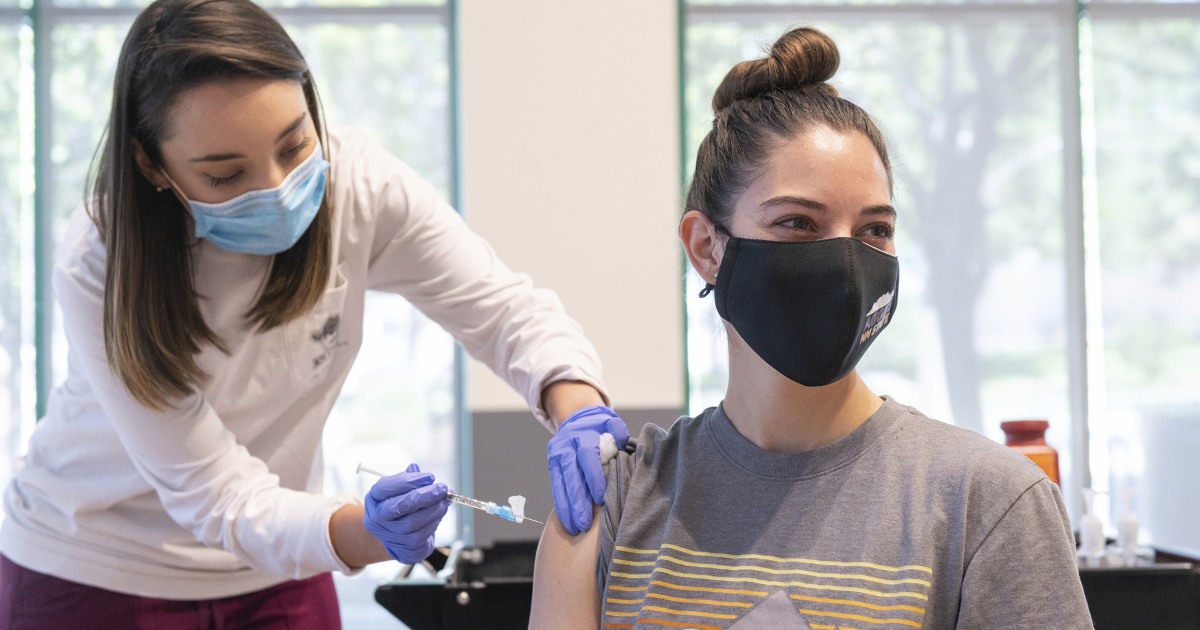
(763, 102)
(153, 327)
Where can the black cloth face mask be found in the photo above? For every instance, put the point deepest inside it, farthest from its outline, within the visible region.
(809, 309)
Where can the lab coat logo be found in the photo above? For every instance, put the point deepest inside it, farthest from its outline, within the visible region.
(877, 317)
(327, 336)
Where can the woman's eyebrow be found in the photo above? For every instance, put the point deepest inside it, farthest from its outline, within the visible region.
(884, 210)
(217, 157)
(292, 127)
(881, 210)
(794, 200)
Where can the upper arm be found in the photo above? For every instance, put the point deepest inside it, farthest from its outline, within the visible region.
(1024, 574)
(564, 578)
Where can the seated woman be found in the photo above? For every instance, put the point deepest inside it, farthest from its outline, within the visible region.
(804, 500)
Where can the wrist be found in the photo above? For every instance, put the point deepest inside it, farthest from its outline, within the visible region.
(560, 399)
(352, 543)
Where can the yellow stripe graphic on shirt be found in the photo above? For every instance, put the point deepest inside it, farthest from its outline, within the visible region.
(632, 576)
(756, 556)
(751, 580)
(724, 567)
(632, 550)
(690, 613)
(664, 555)
(850, 602)
(634, 563)
(706, 589)
(692, 600)
(901, 622)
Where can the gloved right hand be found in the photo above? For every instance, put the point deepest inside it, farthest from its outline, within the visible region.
(403, 511)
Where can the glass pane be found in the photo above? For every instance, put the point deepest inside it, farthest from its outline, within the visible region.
(971, 111)
(265, 3)
(84, 59)
(1175, 3)
(1147, 90)
(772, 7)
(351, 3)
(16, 246)
(397, 405)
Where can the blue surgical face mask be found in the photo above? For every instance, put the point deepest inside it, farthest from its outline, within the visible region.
(264, 222)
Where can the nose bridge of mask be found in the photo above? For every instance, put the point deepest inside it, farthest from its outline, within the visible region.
(265, 198)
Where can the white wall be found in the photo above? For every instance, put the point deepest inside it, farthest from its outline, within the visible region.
(570, 119)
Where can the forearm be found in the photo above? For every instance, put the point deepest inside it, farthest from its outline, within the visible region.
(351, 541)
(560, 399)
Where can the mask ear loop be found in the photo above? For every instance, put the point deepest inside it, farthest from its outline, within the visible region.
(708, 287)
(174, 189)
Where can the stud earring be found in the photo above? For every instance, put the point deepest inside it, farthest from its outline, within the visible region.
(158, 188)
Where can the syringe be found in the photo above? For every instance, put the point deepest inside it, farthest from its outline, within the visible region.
(503, 511)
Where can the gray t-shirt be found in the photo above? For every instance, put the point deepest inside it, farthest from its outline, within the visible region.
(906, 522)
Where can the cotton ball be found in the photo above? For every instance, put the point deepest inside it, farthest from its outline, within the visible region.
(608, 447)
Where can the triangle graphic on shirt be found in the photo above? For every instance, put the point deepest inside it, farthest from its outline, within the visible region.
(776, 611)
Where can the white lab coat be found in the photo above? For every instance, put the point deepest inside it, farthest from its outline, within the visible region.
(222, 495)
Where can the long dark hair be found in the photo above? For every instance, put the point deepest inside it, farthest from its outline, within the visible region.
(153, 328)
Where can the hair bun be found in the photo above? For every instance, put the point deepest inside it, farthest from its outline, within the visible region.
(802, 59)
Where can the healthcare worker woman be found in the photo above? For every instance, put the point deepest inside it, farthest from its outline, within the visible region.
(212, 295)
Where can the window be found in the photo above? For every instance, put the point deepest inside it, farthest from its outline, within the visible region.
(1006, 273)
(16, 236)
(381, 65)
(1146, 73)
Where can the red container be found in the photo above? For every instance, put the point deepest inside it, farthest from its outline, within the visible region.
(1029, 437)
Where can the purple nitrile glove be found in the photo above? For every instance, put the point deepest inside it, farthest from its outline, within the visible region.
(576, 475)
(403, 511)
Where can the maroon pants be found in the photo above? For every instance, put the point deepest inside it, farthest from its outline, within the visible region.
(30, 600)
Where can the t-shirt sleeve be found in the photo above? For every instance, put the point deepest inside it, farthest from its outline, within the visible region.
(1024, 575)
(617, 473)
(423, 250)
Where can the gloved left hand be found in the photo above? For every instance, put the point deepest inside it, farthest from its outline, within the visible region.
(576, 475)
(403, 512)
